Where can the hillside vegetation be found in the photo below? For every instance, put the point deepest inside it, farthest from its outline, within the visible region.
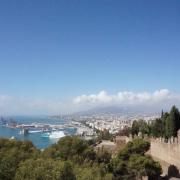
(74, 159)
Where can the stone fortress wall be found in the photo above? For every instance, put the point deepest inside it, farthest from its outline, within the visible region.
(167, 151)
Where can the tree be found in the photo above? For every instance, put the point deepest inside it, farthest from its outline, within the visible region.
(41, 169)
(175, 115)
(144, 166)
(169, 130)
(118, 167)
(143, 127)
(173, 122)
(132, 163)
(137, 146)
(89, 154)
(88, 173)
(135, 128)
(67, 147)
(103, 156)
(168, 125)
(140, 126)
(158, 128)
(12, 152)
(66, 172)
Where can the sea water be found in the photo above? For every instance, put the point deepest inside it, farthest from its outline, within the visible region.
(39, 139)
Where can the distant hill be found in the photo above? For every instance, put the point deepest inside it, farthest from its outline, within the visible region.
(119, 110)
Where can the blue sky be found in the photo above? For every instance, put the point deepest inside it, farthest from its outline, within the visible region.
(52, 49)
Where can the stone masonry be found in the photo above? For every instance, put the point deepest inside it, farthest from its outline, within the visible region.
(167, 151)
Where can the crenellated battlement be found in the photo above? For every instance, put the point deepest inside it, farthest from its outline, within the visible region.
(167, 150)
(172, 140)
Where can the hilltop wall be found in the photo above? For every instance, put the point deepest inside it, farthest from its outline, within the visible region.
(167, 151)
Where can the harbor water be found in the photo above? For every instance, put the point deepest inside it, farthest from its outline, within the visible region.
(40, 139)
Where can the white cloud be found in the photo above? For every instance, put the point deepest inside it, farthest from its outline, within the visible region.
(23, 105)
(128, 98)
(101, 97)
